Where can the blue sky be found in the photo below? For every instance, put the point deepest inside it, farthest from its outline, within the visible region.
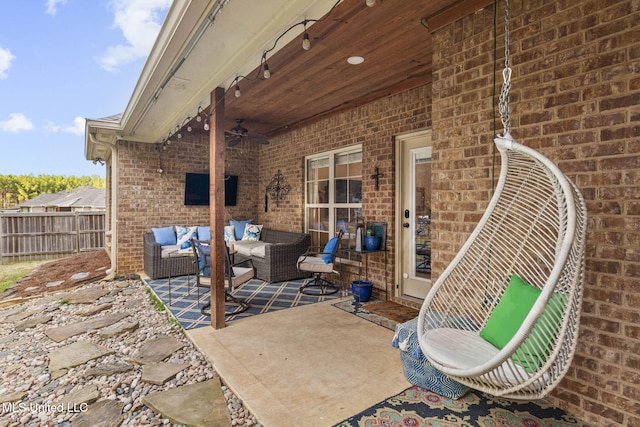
(62, 61)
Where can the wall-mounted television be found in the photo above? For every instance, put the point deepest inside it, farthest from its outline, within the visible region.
(196, 189)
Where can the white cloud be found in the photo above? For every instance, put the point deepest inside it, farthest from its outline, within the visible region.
(77, 128)
(140, 22)
(52, 6)
(5, 62)
(17, 122)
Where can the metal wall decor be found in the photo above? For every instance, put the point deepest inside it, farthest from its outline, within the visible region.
(377, 175)
(278, 188)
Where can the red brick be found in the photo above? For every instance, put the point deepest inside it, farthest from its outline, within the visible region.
(626, 101)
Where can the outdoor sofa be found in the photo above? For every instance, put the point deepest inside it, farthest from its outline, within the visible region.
(166, 261)
(275, 255)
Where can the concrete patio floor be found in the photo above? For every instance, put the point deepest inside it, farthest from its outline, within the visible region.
(314, 365)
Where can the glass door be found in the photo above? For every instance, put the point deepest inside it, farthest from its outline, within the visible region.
(414, 214)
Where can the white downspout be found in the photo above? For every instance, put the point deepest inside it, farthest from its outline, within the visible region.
(114, 209)
(114, 199)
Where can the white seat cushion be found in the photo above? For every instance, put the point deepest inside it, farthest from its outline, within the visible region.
(259, 250)
(169, 251)
(463, 349)
(240, 275)
(458, 348)
(245, 247)
(314, 264)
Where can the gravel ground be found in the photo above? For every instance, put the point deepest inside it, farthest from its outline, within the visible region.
(24, 358)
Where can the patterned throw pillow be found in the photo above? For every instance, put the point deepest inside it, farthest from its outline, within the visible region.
(252, 232)
(229, 233)
(185, 234)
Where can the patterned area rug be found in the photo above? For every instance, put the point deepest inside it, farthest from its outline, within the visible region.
(262, 297)
(417, 407)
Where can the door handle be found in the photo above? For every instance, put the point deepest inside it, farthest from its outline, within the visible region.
(406, 225)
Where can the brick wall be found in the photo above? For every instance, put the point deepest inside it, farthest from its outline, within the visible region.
(146, 198)
(575, 98)
(373, 125)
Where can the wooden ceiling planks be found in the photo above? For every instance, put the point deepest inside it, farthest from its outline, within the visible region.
(308, 85)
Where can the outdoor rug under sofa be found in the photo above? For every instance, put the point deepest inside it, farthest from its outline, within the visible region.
(263, 297)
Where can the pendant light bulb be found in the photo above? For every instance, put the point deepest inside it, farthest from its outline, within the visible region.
(266, 73)
(189, 128)
(206, 124)
(179, 135)
(238, 93)
(198, 118)
(306, 43)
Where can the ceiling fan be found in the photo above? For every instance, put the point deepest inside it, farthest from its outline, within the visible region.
(240, 133)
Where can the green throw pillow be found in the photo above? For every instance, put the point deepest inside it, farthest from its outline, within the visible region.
(535, 348)
(508, 315)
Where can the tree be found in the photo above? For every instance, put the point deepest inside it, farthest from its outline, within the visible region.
(19, 188)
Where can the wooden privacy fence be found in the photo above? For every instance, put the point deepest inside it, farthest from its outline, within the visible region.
(50, 235)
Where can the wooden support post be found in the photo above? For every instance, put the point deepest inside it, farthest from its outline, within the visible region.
(216, 207)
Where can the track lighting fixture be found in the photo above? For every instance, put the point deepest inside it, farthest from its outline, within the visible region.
(264, 68)
(306, 45)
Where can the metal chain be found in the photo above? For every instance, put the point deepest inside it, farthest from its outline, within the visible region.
(503, 104)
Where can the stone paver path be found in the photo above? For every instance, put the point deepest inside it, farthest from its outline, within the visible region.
(75, 354)
(115, 372)
(61, 333)
(86, 295)
(32, 322)
(157, 350)
(184, 405)
(118, 328)
(104, 413)
(80, 398)
(160, 373)
(94, 309)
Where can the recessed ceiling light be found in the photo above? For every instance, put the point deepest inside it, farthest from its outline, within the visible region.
(355, 60)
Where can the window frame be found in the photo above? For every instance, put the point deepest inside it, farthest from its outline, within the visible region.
(332, 206)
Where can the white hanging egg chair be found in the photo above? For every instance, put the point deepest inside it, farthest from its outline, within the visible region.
(530, 243)
(503, 317)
